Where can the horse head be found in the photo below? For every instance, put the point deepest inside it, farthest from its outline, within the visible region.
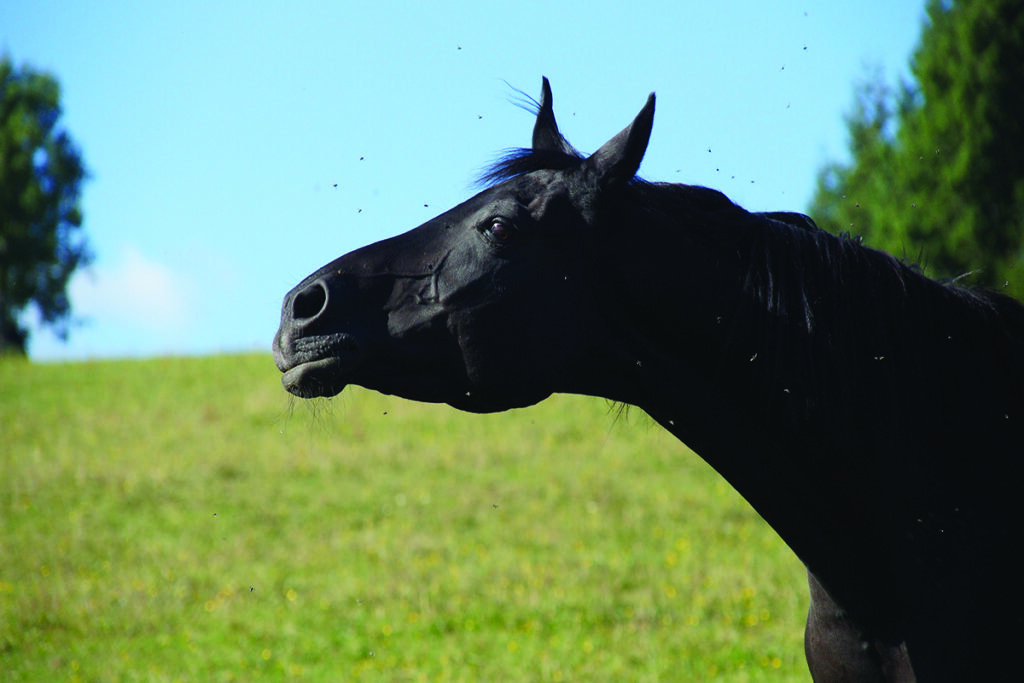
(494, 304)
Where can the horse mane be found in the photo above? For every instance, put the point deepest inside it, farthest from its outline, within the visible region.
(825, 321)
(672, 199)
(843, 328)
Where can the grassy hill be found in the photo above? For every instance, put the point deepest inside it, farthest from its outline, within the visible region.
(184, 520)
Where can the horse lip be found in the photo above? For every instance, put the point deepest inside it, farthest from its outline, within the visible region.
(312, 365)
(314, 378)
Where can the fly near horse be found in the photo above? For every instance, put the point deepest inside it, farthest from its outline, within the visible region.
(873, 416)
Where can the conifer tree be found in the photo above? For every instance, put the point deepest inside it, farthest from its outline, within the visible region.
(937, 170)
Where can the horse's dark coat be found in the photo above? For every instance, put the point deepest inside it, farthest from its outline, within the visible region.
(873, 416)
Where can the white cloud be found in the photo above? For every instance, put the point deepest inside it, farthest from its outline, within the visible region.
(132, 291)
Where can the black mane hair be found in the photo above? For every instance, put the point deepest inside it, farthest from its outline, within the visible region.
(522, 160)
(824, 320)
(688, 201)
(866, 345)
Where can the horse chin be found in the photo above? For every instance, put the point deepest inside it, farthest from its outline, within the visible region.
(319, 378)
(480, 402)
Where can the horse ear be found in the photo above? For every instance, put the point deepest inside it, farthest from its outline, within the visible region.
(618, 159)
(546, 137)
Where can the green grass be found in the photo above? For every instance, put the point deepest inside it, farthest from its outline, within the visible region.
(184, 520)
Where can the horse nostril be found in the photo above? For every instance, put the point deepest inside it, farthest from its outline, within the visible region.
(310, 302)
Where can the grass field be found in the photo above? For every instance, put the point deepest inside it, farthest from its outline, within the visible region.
(184, 520)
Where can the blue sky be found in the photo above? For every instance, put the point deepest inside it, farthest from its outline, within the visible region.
(234, 147)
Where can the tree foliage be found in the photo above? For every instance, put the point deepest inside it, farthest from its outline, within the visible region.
(41, 173)
(937, 170)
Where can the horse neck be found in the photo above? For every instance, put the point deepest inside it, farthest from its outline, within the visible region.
(676, 323)
(839, 416)
(721, 357)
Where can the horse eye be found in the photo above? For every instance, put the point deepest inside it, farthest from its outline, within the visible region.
(500, 230)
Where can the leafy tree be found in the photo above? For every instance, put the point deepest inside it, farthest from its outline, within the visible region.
(41, 172)
(937, 169)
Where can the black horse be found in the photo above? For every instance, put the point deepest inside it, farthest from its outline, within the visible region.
(873, 416)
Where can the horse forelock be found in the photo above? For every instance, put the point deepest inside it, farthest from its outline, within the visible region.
(520, 161)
